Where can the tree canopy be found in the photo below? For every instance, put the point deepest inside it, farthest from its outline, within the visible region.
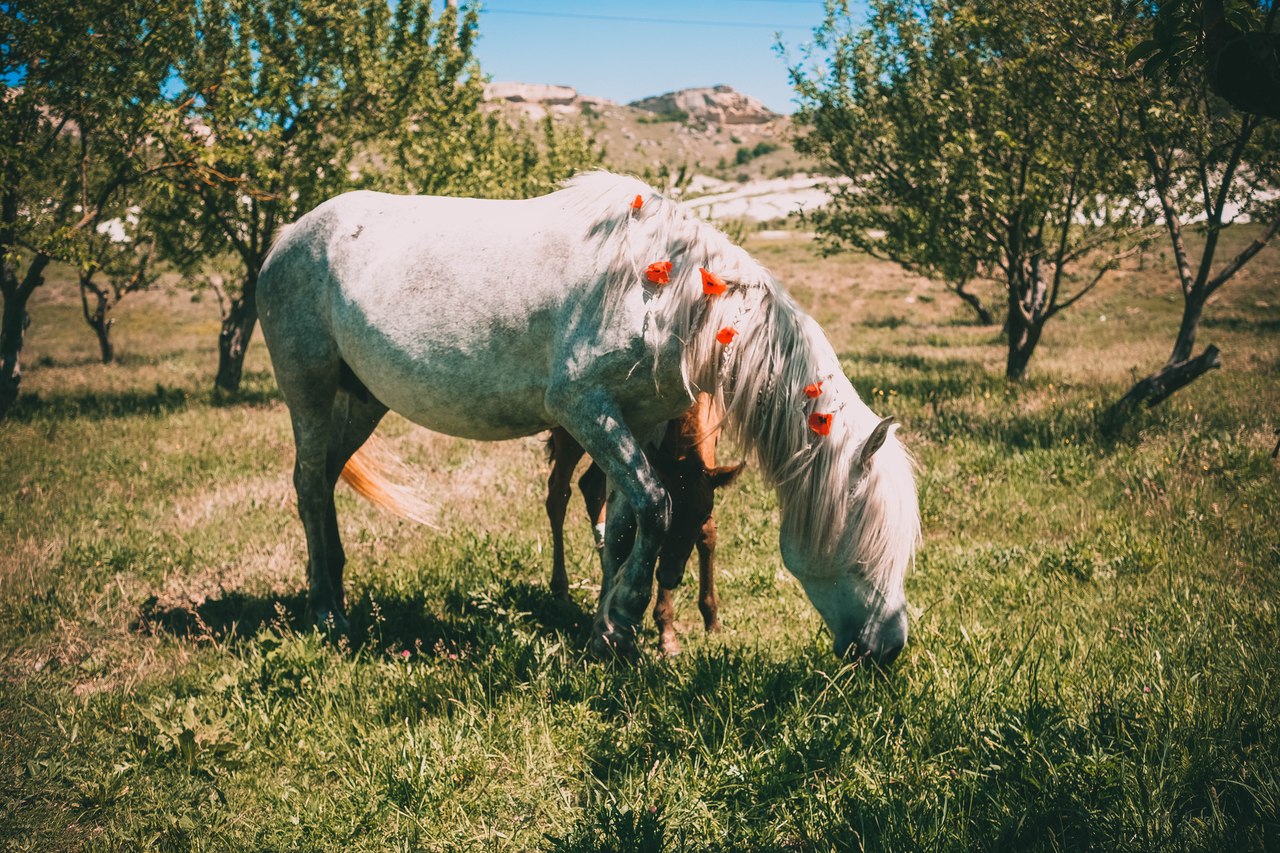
(83, 102)
(973, 147)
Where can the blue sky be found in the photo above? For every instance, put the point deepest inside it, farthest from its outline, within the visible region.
(661, 45)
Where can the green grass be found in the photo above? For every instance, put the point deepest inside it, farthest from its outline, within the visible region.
(1092, 662)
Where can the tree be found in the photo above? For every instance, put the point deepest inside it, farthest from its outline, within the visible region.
(284, 102)
(119, 261)
(974, 149)
(1206, 165)
(82, 102)
(295, 101)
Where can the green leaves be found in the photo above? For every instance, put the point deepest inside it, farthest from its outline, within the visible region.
(974, 134)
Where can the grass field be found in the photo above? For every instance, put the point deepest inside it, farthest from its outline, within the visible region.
(1093, 661)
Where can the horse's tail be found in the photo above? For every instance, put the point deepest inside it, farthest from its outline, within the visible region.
(367, 474)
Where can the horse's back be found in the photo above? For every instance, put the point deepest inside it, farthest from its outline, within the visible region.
(457, 313)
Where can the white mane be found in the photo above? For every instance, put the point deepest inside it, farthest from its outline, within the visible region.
(759, 378)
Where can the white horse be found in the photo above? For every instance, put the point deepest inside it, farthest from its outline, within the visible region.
(602, 308)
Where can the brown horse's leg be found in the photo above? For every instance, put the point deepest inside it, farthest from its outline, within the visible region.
(664, 616)
(595, 493)
(565, 453)
(708, 601)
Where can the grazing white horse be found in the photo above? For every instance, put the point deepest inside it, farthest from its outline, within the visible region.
(602, 308)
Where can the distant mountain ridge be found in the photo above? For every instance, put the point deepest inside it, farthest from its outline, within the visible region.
(708, 104)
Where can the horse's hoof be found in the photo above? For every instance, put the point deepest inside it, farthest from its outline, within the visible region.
(615, 645)
(670, 646)
(332, 624)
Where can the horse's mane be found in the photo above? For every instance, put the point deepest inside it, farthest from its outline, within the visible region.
(759, 378)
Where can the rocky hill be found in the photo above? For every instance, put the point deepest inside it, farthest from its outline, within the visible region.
(714, 144)
(716, 105)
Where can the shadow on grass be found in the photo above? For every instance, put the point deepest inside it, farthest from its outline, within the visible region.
(93, 405)
(1256, 325)
(258, 391)
(953, 399)
(918, 377)
(457, 619)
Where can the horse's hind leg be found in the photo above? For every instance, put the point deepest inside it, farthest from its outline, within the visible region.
(331, 418)
(354, 417)
(311, 411)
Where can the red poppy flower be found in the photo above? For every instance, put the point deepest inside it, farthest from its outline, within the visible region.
(820, 422)
(638, 203)
(726, 335)
(813, 390)
(712, 285)
(659, 272)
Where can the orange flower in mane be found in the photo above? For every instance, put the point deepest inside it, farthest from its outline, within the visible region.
(813, 390)
(726, 335)
(820, 422)
(712, 285)
(659, 272)
(638, 202)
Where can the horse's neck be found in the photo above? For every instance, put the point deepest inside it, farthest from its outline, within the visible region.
(812, 472)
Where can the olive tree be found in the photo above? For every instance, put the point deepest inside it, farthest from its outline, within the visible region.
(974, 149)
(117, 259)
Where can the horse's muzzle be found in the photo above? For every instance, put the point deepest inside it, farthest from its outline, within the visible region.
(880, 643)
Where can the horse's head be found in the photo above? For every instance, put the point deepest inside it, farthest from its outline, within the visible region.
(854, 577)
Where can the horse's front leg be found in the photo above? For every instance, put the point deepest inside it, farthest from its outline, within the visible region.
(708, 601)
(565, 453)
(631, 545)
(635, 523)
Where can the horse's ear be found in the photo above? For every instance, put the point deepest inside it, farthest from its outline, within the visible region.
(875, 440)
(725, 474)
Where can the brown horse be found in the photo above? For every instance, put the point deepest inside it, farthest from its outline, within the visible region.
(686, 464)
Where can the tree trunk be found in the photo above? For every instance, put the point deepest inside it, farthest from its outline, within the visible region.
(1181, 369)
(13, 327)
(1159, 386)
(105, 347)
(237, 329)
(1023, 337)
(1023, 325)
(14, 321)
(97, 318)
(1192, 310)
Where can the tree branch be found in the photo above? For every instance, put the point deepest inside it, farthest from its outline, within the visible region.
(1243, 258)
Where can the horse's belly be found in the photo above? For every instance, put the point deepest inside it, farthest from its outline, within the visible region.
(454, 406)
(488, 390)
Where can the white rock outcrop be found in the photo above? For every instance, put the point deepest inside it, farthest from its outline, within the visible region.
(535, 100)
(530, 93)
